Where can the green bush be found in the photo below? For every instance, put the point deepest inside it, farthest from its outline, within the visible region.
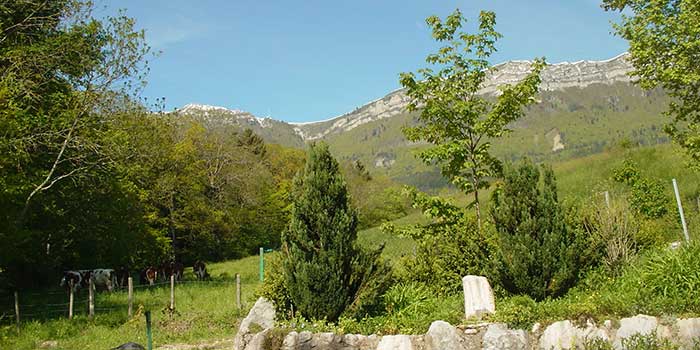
(449, 247)
(326, 270)
(647, 197)
(537, 251)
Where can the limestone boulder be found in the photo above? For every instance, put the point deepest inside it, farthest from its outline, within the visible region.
(478, 296)
(640, 324)
(443, 336)
(688, 332)
(499, 337)
(559, 335)
(395, 342)
(261, 317)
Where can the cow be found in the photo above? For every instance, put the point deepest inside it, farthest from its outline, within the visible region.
(123, 277)
(71, 281)
(104, 279)
(200, 270)
(171, 268)
(149, 275)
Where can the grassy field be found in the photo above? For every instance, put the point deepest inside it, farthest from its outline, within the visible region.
(204, 311)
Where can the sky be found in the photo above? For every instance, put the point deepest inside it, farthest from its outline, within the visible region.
(310, 60)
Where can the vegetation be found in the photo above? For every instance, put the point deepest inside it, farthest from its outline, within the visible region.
(538, 254)
(455, 117)
(663, 37)
(326, 271)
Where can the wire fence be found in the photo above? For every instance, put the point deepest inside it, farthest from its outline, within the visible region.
(56, 304)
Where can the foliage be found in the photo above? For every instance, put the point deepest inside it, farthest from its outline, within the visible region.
(455, 117)
(325, 269)
(537, 251)
(647, 195)
(376, 198)
(663, 38)
(660, 281)
(447, 248)
(614, 235)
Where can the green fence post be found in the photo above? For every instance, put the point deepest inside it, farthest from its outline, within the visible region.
(148, 330)
(262, 264)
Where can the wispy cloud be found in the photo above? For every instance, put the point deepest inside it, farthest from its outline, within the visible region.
(174, 29)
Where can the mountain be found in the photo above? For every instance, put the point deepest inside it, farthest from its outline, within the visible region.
(584, 107)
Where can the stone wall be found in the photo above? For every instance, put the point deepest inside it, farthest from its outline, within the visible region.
(257, 334)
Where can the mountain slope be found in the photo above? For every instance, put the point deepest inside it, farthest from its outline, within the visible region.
(584, 107)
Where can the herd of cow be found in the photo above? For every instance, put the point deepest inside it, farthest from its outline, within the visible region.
(110, 279)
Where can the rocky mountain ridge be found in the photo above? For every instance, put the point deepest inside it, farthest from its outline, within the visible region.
(557, 76)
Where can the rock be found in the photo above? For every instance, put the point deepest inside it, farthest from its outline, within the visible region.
(258, 341)
(291, 341)
(590, 332)
(688, 332)
(261, 317)
(442, 336)
(478, 296)
(640, 324)
(536, 328)
(559, 335)
(675, 245)
(324, 340)
(499, 337)
(395, 342)
(360, 342)
(49, 344)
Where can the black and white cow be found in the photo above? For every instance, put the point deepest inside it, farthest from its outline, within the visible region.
(72, 280)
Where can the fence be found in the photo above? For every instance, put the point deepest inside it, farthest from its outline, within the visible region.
(21, 306)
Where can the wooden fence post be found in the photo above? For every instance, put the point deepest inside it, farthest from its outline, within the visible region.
(607, 199)
(130, 283)
(172, 292)
(238, 290)
(17, 309)
(70, 301)
(91, 298)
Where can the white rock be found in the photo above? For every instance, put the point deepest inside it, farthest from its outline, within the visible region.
(442, 336)
(478, 296)
(291, 341)
(640, 324)
(559, 335)
(688, 332)
(258, 341)
(536, 328)
(395, 342)
(262, 314)
(499, 337)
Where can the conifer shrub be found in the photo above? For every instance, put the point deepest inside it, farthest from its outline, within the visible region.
(537, 251)
(326, 271)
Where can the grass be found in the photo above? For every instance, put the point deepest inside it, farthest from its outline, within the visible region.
(204, 311)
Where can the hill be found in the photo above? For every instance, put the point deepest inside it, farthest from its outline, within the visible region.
(584, 107)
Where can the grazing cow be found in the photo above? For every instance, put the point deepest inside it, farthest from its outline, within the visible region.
(149, 275)
(104, 279)
(123, 277)
(200, 270)
(171, 268)
(71, 281)
(178, 270)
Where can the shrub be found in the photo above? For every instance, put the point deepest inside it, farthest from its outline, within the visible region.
(647, 197)
(614, 234)
(537, 252)
(449, 247)
(325, 270)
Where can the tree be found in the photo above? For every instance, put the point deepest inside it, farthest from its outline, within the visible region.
(63, 74)
(455, 116)
(326, 271)
(664, 38)
(537, 250)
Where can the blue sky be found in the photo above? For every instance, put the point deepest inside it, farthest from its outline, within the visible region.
(312, 60)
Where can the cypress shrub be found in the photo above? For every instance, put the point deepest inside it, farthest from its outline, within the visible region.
(326, 271)
(536, 249)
